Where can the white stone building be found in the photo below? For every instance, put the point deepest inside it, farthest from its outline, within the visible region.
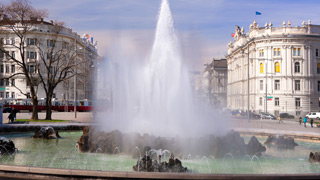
(84, 49)
(284, 69)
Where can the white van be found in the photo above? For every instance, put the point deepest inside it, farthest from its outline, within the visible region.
(313, 115)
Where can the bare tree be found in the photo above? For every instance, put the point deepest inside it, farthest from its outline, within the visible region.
(57, 62)
(18, 19)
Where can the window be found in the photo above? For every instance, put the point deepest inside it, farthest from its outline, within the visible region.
(276, 102)
(1, 82)
(261, 67)
(13, 68)
(1, 68)
(277, 85)
(31, 41)
(50, 43)
(318, 68)
(7, 82)
(1, 55)
(261, 85)
(297, 51)
(13, 83)
(54, 95)
(12, 94)
(32, 69)
(64, 45)
(318, 85)
(297, 85)
(1, 95)
(13, 41)
(8, 41)
(7, 68)
(261, 53)
(297, 67)
(277, 67)
(31, 55)
(260, 101)
(52, 70)
(13, 54)
(317, 52)
(276, 52)
(7, 94)
(298, 103)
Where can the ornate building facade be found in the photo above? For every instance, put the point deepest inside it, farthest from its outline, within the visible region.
(69, 41)
(281, 65)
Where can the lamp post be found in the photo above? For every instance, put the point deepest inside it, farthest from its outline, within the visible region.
(248, 73)
(248, 87)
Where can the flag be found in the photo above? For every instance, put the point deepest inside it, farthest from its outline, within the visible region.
(232, 34)
(258, 13)
(91, 40)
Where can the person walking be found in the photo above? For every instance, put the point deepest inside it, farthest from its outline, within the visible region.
(300, 120)
(305, 121)
(311, 122)
(280, 121)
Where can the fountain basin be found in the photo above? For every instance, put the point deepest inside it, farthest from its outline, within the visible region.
(59, 157)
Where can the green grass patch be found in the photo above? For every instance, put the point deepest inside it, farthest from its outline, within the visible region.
(43, 121)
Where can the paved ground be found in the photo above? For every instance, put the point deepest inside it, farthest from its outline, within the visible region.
(272, 126)
(290, 126)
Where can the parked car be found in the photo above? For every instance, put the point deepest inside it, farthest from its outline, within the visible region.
(286, 115)
(267, 116)
(313, 115)
(254, 116)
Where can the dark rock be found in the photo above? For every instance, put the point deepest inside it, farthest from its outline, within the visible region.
(138, 145)
(145, 164)
(314, 157)
(46, 133)
(281, 142)
(7, 146)
(254, 147)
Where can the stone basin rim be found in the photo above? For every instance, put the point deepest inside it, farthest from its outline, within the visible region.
(26, 172)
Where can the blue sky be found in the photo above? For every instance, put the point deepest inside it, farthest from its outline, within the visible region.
(204, 26)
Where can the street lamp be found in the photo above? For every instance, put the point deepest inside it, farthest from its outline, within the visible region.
(248, 58)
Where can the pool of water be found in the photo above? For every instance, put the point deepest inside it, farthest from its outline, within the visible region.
(62, 153)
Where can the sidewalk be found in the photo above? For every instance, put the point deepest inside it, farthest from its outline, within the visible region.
(82, 117)
(290, 126)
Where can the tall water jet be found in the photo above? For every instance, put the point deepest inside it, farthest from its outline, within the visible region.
(155, 96)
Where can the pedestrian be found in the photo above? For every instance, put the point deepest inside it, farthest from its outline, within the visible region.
(280, 121)
(300, 120)
(305, 121)
(311, 122)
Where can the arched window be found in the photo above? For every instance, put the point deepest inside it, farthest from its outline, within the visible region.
(318, 68)
(277, 67)
(296, 67)
(261, 67)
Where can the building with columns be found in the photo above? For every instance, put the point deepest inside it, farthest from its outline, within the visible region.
(275, 69)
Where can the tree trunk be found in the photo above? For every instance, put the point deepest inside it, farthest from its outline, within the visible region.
(34, 115)
(48, 106)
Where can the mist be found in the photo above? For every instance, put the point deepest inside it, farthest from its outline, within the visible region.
(150, 92)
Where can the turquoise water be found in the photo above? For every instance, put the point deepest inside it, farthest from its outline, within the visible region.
(61, 153)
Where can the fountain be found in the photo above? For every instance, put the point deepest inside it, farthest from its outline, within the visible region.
(154, 97)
